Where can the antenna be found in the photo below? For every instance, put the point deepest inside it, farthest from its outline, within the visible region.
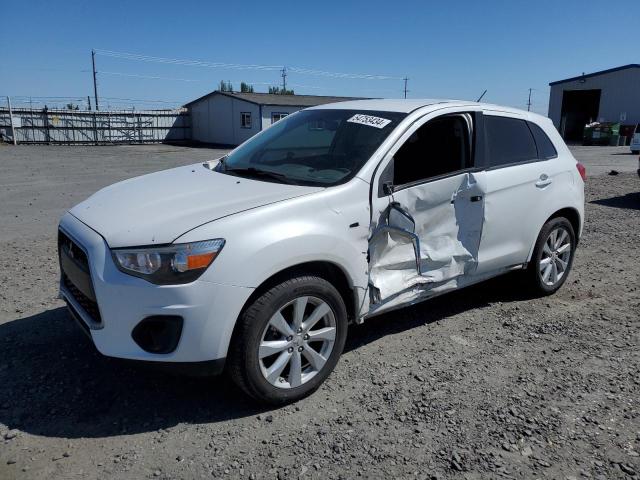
(480, 97)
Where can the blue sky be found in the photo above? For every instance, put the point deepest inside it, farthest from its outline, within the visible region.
(447, 49)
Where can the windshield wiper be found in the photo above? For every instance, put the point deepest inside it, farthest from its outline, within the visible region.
(255, 172)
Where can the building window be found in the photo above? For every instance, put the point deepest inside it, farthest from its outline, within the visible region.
(275, 116)
(245, 119)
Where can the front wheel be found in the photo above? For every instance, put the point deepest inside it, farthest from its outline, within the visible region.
(552, 256)
(288, 340)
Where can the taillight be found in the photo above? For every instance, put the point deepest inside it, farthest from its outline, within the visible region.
(582, 170)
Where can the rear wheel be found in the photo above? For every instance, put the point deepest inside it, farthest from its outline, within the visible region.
(552, 256)
(288, 340)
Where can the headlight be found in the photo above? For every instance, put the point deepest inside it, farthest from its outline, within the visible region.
(181, 263)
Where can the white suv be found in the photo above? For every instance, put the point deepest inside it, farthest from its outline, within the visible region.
(257, 263)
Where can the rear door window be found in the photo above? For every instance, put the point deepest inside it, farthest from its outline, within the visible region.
(546, 150)
(509, 141)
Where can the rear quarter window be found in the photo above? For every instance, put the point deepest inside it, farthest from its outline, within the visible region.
(546, 150)
(509, 140)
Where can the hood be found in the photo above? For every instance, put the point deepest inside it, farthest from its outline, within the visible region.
(159, 207)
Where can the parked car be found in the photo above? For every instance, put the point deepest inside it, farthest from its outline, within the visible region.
(635, 141)
(257, 262)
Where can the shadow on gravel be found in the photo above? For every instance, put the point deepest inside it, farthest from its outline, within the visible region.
(507, 288)
(54, 383)
(630, 201)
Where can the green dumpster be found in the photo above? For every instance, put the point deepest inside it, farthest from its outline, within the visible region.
(600, 133)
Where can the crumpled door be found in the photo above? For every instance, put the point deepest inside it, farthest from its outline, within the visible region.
(426, 239)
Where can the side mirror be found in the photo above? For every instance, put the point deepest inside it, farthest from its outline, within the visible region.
(387, 188)
(399, 218)
(215, 164)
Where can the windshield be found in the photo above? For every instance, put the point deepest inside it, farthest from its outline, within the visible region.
(312, 147)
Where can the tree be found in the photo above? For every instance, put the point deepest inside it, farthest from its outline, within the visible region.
(225, 86)
(281, 91)
(246, 88)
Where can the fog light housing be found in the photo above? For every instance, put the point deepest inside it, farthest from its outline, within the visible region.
(158, 333)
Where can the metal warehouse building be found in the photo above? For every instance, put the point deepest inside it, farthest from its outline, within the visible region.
(608, 96)
(230, 118)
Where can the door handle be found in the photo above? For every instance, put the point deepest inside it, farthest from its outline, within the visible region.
(475, 198)
(543, 181)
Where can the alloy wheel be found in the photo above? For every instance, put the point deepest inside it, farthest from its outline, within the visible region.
(297, 342)
(556, 254)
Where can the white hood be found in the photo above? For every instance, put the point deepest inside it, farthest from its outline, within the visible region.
(159, 207)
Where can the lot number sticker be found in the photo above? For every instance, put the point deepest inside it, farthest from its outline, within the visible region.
(369, 120)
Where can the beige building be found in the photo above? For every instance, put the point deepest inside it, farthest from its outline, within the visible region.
(230, 118)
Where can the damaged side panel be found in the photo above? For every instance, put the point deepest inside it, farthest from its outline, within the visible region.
(436, 250)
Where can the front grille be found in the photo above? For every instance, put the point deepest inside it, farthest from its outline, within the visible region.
(75, 251)
(86, 303)
(80, 258)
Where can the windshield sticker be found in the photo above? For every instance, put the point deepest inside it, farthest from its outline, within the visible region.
(369, 120)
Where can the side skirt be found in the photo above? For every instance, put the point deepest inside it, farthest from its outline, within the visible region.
(433, 293)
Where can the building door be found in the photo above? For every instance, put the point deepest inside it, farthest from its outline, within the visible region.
(579, 107)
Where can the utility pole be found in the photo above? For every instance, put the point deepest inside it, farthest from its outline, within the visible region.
(13, 128)
(284, 79)
(88, 102)
(405, 86)
(95, 83)
(529, 101)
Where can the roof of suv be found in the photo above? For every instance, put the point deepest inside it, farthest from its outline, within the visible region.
(407, 105)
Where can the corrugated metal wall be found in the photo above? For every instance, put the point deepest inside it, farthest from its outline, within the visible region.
(91, 127)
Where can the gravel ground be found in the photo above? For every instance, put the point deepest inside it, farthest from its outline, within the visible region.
(480, 383)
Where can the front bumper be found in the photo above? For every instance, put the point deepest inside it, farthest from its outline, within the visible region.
(209, 310)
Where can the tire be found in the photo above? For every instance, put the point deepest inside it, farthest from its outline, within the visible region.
(260, 331)
(541, 277)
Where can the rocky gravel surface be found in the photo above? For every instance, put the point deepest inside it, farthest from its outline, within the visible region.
(481, 383)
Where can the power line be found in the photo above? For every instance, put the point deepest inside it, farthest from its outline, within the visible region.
(182, 61)
(239, 66)
(139, 100)
(353, 76)
(45, 97)
(122, 74)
